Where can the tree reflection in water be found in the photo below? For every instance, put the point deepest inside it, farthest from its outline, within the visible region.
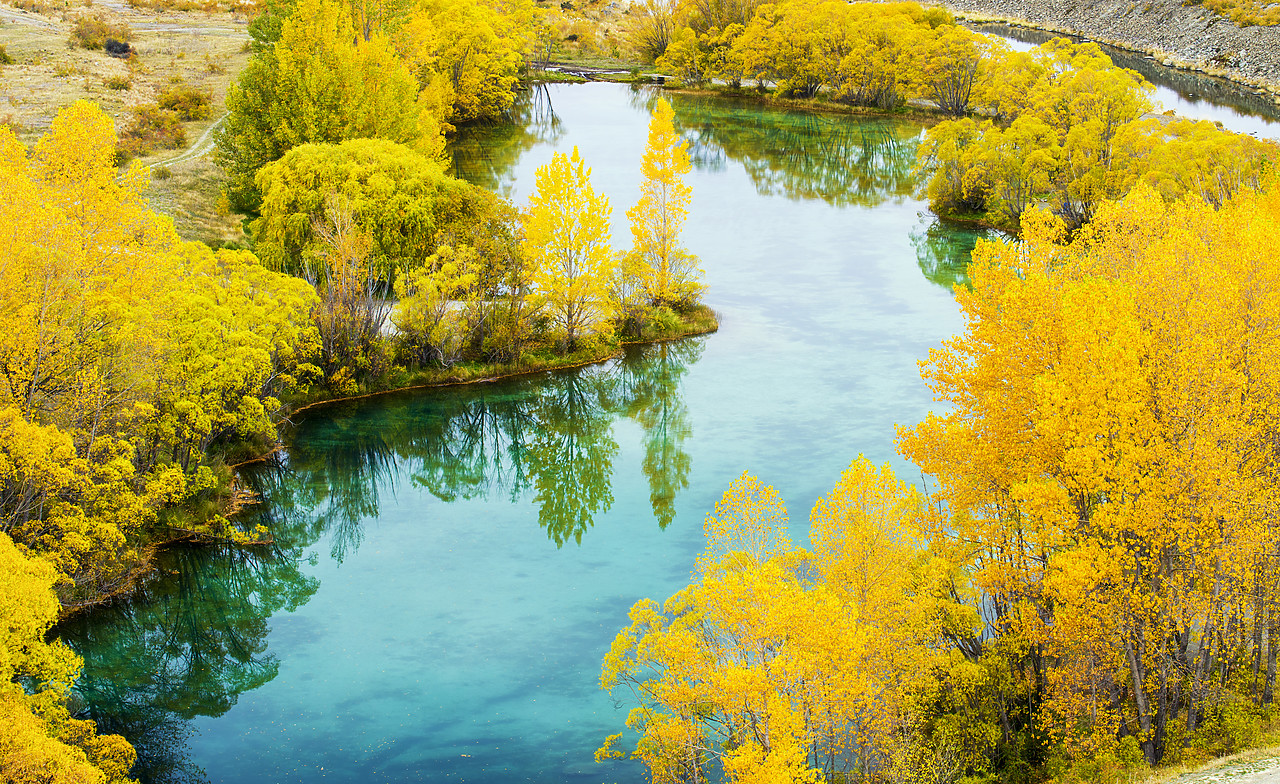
(191, 641)
(195, 636)
(943, 250)
(551, 436)
(841, 160)
(485, 154)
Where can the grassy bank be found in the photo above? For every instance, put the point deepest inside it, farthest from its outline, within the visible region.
(698, 320)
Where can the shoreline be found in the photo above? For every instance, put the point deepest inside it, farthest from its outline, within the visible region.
(236, 501)
(515, 372)
(1181, 37)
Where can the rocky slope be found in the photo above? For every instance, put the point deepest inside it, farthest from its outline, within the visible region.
(1176, 31)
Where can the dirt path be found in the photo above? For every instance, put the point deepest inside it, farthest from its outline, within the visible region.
(15, 16)
(1260, 767)
(202, 147)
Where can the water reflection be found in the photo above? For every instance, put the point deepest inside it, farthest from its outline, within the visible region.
(195, 637)
(1193, 95)
(191, 641)
(943, 249)
(485, 154)
(551, 436)
(801, 155)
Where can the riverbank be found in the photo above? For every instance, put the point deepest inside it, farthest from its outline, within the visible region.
(1175, 33)
(700, 320)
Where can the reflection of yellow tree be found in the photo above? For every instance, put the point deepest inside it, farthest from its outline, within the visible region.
(840, 160)
(504, 440)
(570, 459)
(651, 396)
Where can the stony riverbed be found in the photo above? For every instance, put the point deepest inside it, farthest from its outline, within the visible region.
(1175, 31)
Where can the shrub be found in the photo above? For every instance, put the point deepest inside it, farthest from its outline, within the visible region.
(5, 57)
(188, 102)
(117, 83)
(117, 48)
(93, 32)
(152, 128)
(161, 173)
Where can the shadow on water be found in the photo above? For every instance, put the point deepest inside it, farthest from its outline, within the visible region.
(195, 637)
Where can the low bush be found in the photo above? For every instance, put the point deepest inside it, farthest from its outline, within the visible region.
(117, 83)
(93, 32)
(152, 128)
(188, 102)
(117, 48)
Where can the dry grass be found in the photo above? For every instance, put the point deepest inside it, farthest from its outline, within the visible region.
(196, 51)
(1223, 769)
(190, 195)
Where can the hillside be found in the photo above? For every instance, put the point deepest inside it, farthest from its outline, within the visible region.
(1182, 33)
(171, 49)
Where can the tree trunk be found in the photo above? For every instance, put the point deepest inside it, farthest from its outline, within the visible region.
(1147, 738)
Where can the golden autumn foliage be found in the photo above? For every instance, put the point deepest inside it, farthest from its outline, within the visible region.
(128, 353)
(1059, 126)
(781, 664)
(40, 743)
(1070, 132)
(1109, 467)
(566, 239)
(665, 272)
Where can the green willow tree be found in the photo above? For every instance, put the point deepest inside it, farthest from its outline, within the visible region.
(319, 83)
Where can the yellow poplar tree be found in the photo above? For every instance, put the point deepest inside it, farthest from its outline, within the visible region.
(1109, 464)
(668, 273)
(789, 665)
(567, 239)
(39, 741)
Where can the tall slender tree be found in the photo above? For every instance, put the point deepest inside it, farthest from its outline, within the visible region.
(567, 239)
(667, 272)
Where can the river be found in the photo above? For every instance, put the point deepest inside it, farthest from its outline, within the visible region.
(450, 566)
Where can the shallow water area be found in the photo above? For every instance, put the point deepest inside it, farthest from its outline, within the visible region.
(450, 566)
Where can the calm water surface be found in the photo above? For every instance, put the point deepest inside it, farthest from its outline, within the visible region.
(451, 566)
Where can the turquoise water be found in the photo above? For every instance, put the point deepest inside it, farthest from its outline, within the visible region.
(450, 566)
